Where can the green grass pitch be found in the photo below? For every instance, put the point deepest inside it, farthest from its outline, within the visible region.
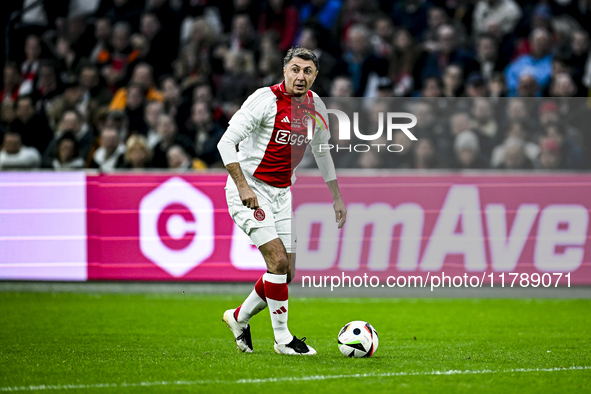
(155, 343)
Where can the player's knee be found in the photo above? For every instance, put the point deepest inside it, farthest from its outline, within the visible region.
(282, 264)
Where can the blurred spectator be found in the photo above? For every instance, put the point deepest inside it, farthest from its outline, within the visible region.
(353, 12)
(475, 86)
(72, 121)
(7, 116)
(172, 95)
(548, 113)
(68, 60)
(178, 159)
(448, 53)
(111, 152)
(579, 10)
(309, 38)
(72, 97)
(550, 156)
(537, 64)
(515, 157)
(280, 17)
(528, 85)
(432, 87)
(102, 34)
(169, 136)
(515, 131)
(325, 12)
(403, 58)
(518, 109)
(48, 84)
(122, 10)
(190, 67)
(196, 62)
(571, 153)
(467, 151)
(14, 155)
(93, 87)
(496, 17)
(201, 92)
(134, 109)
(563, 86)
(162, 50)
(151, 113)
(453, 80)
(424, 154)
(383, 36)
(79, 36)
(436, 17)
(359, 63)
(342, 86)
(142, 76)
(30, 67)
(269, 71)
(138, 154)
(119, 56)
(411, 15)
(119, 121)
(31, 125)
(579, 46)
(243, 35)
(497, 86)
(250, 8)
(237, 81)
(460, 122)
(385, 87)
(487, 55)
(12, 82)
(429, 125)
(485, 124)
(67, 153)
(205, 134)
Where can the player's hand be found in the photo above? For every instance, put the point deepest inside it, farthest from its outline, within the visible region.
(248, 198)
(340, 212)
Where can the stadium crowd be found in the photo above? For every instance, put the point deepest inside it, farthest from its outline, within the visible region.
(137, 84)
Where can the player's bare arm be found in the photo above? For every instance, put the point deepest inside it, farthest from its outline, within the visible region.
(338, 204)
(247, 196)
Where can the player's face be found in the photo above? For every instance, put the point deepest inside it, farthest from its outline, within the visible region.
(299, 75)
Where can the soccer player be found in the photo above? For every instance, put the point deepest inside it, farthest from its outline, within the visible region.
(265, 141)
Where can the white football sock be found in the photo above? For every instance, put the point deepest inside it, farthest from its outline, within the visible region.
(277, 297)
(250, 307)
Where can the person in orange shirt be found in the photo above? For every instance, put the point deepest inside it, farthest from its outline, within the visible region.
(142, 75)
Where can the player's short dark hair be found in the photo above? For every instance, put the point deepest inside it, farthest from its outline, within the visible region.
(302, 53)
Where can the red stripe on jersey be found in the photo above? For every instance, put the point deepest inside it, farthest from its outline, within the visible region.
(288, 142)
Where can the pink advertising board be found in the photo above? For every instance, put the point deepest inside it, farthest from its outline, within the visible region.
(175, 227)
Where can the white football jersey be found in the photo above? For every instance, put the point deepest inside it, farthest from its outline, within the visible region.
(273, 134)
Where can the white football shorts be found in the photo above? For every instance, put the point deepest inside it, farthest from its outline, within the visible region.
(273, 219)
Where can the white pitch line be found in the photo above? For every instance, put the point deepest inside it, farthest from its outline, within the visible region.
(285, 379)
